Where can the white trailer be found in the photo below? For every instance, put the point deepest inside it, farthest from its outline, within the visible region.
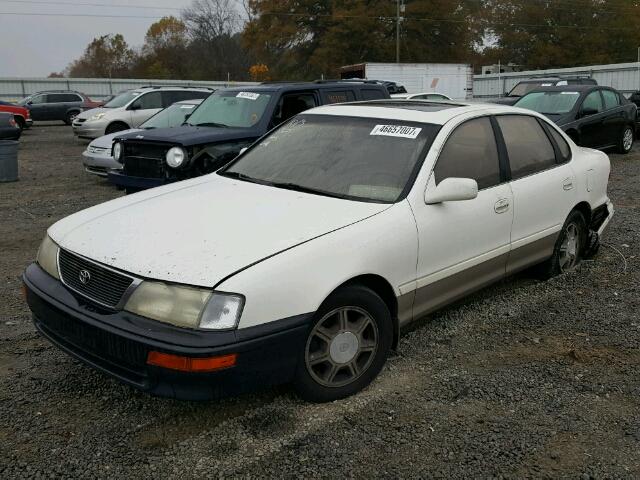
(453, 79)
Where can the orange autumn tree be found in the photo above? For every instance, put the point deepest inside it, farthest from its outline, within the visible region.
(259, 72)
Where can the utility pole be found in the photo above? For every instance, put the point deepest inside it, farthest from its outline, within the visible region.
(399, 8)
(638, 68)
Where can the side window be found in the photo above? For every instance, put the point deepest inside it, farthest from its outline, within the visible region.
(56, 98)
(38, 99)
(563, 146)
(470, 152)
(528, 147)
(371, 94)
(611, 99)
(339, 97)
(592, 103)
(292, 104)
(148, 100)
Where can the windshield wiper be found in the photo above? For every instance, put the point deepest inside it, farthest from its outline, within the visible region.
(242, 176)
(209, 124)
(302, 188)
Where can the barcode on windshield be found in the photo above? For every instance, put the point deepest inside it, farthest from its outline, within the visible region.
(402, 131)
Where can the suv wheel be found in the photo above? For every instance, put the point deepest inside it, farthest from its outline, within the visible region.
(346, 347)
(71, 116)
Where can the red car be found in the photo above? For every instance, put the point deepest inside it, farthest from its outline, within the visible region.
(20, 114)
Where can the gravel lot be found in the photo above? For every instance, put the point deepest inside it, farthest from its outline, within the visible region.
(524, 379)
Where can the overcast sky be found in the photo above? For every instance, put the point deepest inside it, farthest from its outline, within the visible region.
(36, 45)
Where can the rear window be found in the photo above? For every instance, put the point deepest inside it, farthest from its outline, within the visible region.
(611, 99)
(339, 96)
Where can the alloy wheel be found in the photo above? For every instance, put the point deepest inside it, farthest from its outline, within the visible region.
(569, 248)
(341, 346)
(627, 139)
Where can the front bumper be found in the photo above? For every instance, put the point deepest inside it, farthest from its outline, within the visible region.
(88, 129)
(138, 183)
(99, 164)
(118, 343)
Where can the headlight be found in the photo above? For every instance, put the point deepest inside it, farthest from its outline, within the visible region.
(48, 257)
(186, 306)
(117, 151)
(97, 116)
(175, 157)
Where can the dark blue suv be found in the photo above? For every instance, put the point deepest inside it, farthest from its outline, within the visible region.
(226, 122)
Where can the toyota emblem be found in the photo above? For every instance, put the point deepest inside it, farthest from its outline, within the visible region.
(84, 276)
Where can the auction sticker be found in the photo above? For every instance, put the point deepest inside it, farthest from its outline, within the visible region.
(396, 131)
(248, 95)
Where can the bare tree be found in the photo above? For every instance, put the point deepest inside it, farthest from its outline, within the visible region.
(209, 20)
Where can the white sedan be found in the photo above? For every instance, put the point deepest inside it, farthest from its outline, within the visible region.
(304, 257)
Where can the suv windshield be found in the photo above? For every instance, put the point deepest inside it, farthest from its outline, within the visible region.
(122, 99)
(550, 103)
(230, 109)
(171, 116)
(348, 157)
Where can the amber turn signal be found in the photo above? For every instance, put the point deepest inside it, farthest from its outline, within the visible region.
(191, 364)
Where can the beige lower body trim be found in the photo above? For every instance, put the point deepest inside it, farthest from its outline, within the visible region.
(428, 297)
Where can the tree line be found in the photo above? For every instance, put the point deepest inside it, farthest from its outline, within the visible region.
(307, 39)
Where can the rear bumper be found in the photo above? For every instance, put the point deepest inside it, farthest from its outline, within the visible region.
(117, 343)
(28, 122)
(601, 217)
(139, 183)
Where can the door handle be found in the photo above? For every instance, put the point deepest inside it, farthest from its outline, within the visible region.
(501, 205)
(567, 184)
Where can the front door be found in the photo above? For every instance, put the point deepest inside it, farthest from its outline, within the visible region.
(463, 245)
(143, 107)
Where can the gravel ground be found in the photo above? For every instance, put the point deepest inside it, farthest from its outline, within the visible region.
(524, 379)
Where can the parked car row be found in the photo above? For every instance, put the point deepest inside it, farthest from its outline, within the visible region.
(302, 254)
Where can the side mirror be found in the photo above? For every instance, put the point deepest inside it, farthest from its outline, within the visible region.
(585, 112)
(29, 102)
(242, 150)
(452, 190)
(134, 106)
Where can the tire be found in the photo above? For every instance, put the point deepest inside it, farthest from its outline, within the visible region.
(115, 127)
(20, 121)
(565, 257)
(346, 346)
(625, 143)
(70, 117)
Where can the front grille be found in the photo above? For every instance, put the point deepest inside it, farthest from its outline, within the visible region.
(103, 286)
(144, 159)
(93, 149)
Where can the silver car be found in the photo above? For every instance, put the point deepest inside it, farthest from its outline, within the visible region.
(97, 158)
(131, 108)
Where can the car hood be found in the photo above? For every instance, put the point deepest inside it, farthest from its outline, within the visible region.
(200, 231)
(505, 100)
(107, 140)
(94, 111)
(187, 135)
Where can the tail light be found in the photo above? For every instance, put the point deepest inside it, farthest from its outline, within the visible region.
(12, 122)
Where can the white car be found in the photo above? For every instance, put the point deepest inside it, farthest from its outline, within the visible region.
(98, 158)
(422, 96)
(302, 259)
(131, 108)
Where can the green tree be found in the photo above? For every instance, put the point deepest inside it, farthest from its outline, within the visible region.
(106, 56)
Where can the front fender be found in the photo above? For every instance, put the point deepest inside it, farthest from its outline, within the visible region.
(299, 279)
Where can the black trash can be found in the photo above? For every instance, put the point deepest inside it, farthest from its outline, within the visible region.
(8, 160)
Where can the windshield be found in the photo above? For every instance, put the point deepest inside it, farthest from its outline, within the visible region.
(523, 88)
(121, 100)
(347, 157)
(550, 103)
(230, 109)
(171, 116)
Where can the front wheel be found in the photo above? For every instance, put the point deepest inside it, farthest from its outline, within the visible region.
(70, 117)
(346, 347)
(626, 140)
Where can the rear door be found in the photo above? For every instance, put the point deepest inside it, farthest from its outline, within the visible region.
(614, 117)
(590, 120)
(57, 105)
(338, 95)
(543, 186)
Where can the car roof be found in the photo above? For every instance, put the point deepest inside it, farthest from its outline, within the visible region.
(570, 88)
(423, 111)
(279, 86)
(167, 87)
